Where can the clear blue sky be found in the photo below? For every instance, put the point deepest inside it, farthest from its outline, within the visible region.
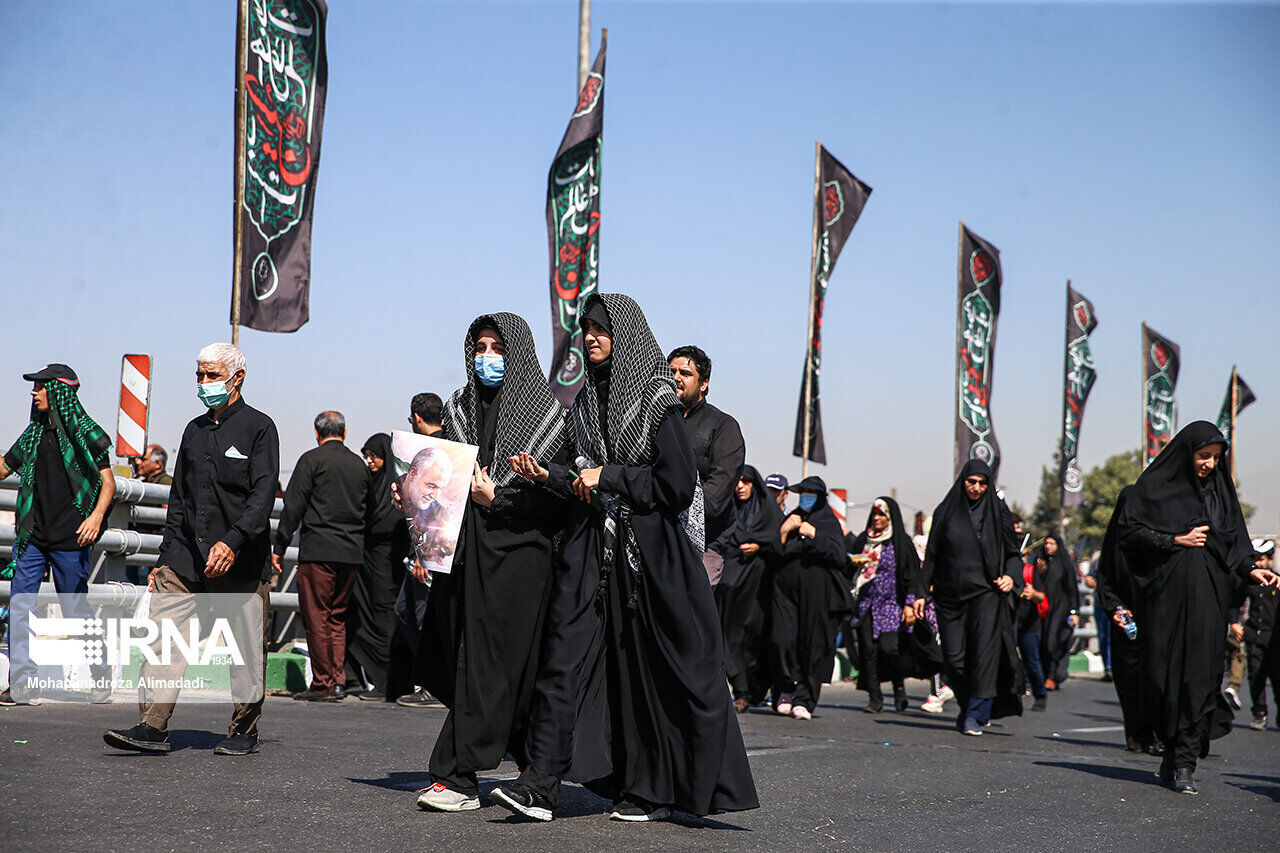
(1131, 148)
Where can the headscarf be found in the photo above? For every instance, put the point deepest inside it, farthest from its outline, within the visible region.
(641, 388)
(904, 550)
(382, 513)
(1169, 498)
(820, 515)
(529, 418)
(984, 515)
(1059, 556)
(81, 443)
(757, 519)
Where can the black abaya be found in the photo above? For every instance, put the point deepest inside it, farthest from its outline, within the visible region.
(744, 593)
(810, 598)
(1182, 592)
(485, 618)
(971, 544)
(1059, 579)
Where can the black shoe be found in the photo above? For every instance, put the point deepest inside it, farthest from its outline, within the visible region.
(140, 738)
(1132, 745)
(1106, 676)
(373, 696)
(875, 705)
(315, 696)
(638, 811)
(1184, 782)
(1041, 703)
(522, 800)
(1156, 749)
(419, 699)
(341, 691)
(899, 698)
(237, 744)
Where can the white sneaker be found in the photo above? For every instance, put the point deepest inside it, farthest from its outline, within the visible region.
(1233, 698)
(946, 694)
(442, 799)
(800, 712)
(784, 704)
(932, 705)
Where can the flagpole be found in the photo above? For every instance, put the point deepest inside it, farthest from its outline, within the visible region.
(1235, 404)
(584, 42)
(813, 291)
(1142, 397)
(1062, 441)
(955, 411)
(241, 59)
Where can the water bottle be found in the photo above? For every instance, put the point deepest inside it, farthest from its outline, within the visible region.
(1130, 627)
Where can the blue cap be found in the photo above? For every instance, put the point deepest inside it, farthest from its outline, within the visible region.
(776, 481)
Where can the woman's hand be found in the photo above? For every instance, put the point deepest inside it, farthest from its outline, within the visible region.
(395, 497)
(918, 607)
(1119, 616)
(1266, 577)
(1073, 621)
(789, 524)
(481, 486)
(1193, 538)
(909, 615)
(419, 571)
(749, 548)
(1004, 583)
(526, 466)
(587, 481)
(807, 530)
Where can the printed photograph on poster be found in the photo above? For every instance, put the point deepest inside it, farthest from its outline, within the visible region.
(433, 477)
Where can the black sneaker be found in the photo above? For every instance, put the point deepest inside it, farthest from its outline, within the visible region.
(373, 696)
(1132, 745)
(875, 705)
(1041, 703)
(635, 811)
(316, 696)
(419, 699)
(140, 738)
(899, 699)
(238, 744)
(1259, 723)
(522, 800)
(1184, 782)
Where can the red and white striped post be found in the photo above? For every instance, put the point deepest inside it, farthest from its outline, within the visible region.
(135, 403)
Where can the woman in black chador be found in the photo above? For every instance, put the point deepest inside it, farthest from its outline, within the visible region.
(972, 563)
(750, 547)
(1184, 537)
(1058, 574)
(810, 597)
(486, 617)
(892, 643)
(371, 621)
(631, 697)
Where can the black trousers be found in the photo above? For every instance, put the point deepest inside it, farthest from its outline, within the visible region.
(1263, 663)
(873, 652)
(970, 646)
(444, 764)
(1190, 744)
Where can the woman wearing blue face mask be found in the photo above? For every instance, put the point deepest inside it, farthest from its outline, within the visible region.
(811, 596)
(487, 616)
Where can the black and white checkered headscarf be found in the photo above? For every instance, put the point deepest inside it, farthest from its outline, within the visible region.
(642, 391)
(529, 418)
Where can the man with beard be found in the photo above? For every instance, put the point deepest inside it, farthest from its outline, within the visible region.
(717, 446)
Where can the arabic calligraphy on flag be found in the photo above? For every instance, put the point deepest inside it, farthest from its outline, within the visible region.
(978, 313)
(1077, 383)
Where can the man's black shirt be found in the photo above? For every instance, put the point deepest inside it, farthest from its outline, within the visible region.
(721, 453)
(53, 510)
(328, 493)
(224, 486)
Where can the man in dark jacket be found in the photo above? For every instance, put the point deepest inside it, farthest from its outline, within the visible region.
(217, 539)
(327, 493)
(1262, 653)
(717, 446)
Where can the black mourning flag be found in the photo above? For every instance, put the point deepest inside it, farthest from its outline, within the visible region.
(977, 312)
(840, 198)
(1244, 397)
(1161, 359)
(573, 230)
(281, 77)
(1078, 378)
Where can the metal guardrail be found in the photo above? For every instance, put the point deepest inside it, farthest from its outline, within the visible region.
(123, 594)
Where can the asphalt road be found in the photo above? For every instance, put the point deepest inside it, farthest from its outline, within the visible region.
(343, 777)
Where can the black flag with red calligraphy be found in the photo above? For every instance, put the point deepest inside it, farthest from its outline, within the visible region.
(1244, 397)
(840, 198)
(1079, 375)
(573, 230)
(281, 77)
(1161, 359)
(977, 312)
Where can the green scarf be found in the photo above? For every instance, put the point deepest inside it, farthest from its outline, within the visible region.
(81, 442)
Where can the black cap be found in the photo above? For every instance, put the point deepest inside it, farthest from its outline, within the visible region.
(810, 484)
(60, 372)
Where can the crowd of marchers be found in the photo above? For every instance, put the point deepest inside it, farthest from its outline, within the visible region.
(625, 585)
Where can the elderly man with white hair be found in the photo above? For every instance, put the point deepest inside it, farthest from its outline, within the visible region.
(217, 537)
